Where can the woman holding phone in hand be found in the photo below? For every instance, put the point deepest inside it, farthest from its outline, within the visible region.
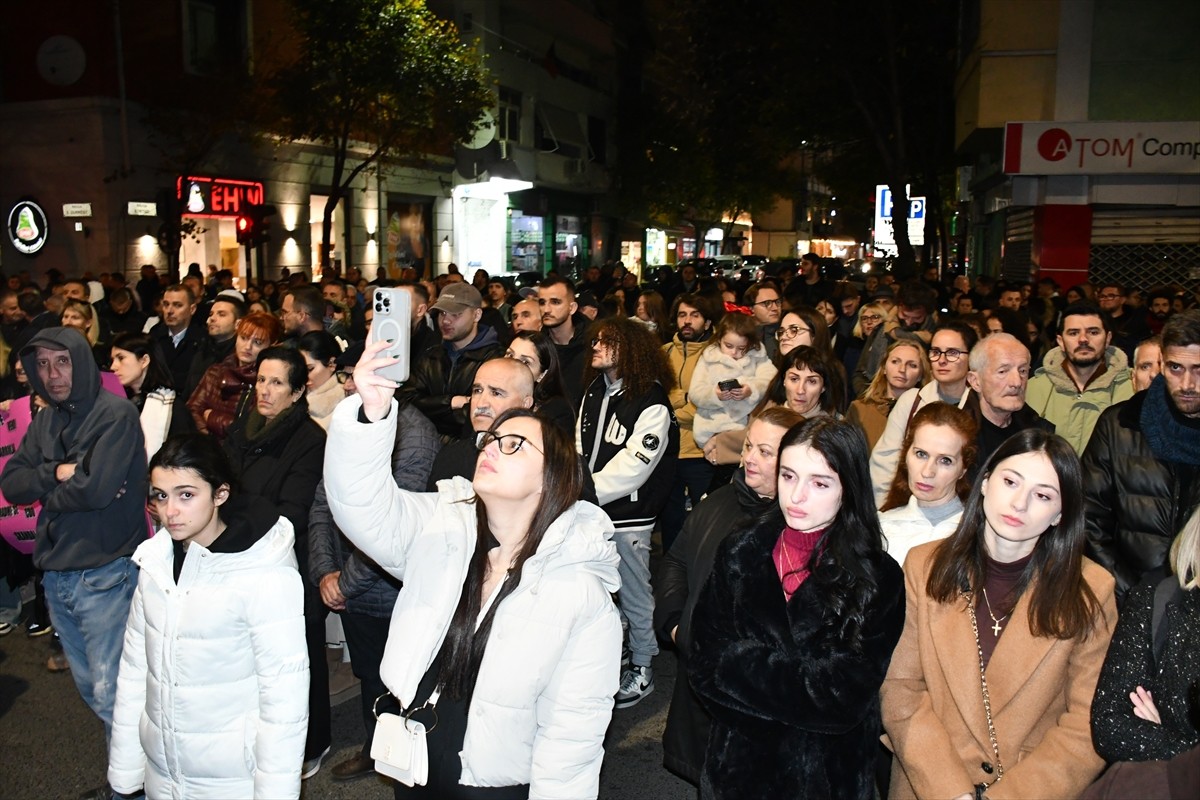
(505, 641)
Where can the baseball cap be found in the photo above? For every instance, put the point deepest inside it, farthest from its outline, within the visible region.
(458, 297)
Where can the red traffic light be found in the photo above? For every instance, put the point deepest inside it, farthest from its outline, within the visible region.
(245, 229)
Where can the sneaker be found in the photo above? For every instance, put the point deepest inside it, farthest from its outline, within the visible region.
(57, 662)
(6, 628)
(353, 768)
(312, 765)
(33, 629)
(636, 683)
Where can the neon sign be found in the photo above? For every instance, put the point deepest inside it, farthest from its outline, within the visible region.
(217, 197)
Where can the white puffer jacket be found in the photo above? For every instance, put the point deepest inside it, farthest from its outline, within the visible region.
(754, 370)
(906, 527)
(212, 696)
(544, 695)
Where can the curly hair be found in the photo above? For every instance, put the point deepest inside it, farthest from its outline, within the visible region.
(641, 362)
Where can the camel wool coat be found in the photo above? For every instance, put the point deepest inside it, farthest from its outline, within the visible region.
(1041, 692)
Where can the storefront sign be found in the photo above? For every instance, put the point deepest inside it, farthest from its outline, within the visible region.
(77, 209)
(27, 226)
(140, 209)
(217, 197)
(1102, 148)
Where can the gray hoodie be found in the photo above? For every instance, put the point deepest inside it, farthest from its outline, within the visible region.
(98, 514)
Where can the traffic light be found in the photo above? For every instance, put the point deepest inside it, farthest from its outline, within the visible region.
(245, 228)
(252, 226)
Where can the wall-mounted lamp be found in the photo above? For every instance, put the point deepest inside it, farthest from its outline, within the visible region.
(290, 237)
(446, 239)
(370, 236)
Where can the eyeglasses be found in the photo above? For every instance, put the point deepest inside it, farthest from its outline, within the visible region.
(508, 443)
(770, 303)
(791, 332)
(601, 342)
(871, 317)
(952, 355)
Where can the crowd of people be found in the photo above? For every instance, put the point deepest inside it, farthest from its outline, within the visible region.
(936, 538)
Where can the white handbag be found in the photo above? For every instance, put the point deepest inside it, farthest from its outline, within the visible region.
(399, 747)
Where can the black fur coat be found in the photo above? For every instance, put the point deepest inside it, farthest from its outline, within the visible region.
(795, 710)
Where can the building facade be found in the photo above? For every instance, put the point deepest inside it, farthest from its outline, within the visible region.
(1080, 120)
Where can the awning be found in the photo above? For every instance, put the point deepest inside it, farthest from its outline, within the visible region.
(562, 125)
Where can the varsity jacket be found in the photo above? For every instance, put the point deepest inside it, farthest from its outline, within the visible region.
(631, 446)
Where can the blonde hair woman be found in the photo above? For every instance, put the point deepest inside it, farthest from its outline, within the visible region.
(904, 367)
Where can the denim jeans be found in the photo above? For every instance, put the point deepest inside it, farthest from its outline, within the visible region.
(89, 608)
(635, 600)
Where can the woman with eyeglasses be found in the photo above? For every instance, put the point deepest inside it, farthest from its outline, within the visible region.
(505, 641)
(951, 345)
(799, 327)
(989, 692)
(904, 367)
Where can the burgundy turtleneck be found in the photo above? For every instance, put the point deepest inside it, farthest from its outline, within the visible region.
(791, 554)
(1000, 581)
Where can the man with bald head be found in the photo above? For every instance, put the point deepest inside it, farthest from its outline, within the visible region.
(527, 316)
(500, 384)
(998, 377)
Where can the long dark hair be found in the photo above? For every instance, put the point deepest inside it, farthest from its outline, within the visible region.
(1062, 605)
(562, 484)
(157, 375)
(552, 385)
(842, 564)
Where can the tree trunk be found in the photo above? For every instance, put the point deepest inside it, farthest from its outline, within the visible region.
(906, 256)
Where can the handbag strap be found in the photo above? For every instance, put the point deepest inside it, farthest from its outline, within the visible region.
(987, 700)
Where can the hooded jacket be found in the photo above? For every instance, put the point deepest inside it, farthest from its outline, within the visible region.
(1052, 393)
(212, 696)
(544, 695)
(99, 513)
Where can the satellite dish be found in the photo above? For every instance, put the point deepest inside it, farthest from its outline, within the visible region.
(484, 134)
(61, 60)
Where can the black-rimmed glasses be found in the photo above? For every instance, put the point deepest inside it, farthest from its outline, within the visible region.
(769, 303)
(952, 355)
(791, 332)
(508, 443)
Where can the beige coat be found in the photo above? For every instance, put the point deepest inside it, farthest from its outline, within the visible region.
(1041, 695)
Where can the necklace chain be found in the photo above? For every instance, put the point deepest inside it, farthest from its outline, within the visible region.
(987, 701)
(995, 622)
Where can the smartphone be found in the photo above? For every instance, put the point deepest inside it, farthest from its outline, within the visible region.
(393, 322)
(729, 385)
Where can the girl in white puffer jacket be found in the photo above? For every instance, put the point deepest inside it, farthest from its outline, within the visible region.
(212, 694)
(734, 354)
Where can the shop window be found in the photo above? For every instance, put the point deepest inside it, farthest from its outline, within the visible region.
(508, 118)
(568, 244)
(525, 234)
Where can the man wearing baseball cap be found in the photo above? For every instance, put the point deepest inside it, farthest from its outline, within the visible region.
(440, 383)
